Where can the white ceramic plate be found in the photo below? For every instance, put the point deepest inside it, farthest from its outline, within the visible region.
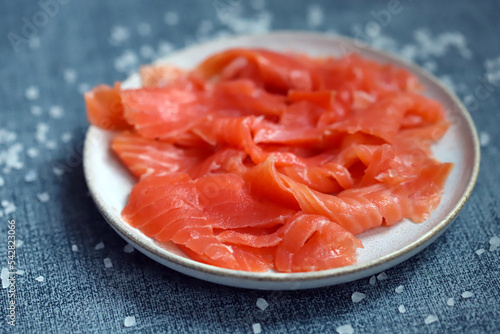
(110, 183)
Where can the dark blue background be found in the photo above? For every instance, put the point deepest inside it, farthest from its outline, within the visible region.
(80, 295)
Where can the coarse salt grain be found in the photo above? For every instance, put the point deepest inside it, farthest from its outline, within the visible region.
(31, 176)
(382, 276)
(171, 18)
(107, 263)
(41, 132)
(32, 93)
(430, 319)
(19, 243)
(32, 152)
(129, 321)
(257, 328)
(126, 61)
(467, 294)
(66, 137)
(314, 16)
(357, 297)
(74, 248)
(56, 112)
(399, 289)
(146, 51)
(83, 88)
(51, 145)
(40, 279)
(450, 302)
(58, 171)
(99, 246)
(494, 243)
(402, 309)
(118, 35)
(43, 197)
(8, 207)
(36, 110)
(2, 181)
(20, 272)
(5, 278)
(262, 303)
(128, 248)
(69, 75)
(144, 29)
(480, 251)
(484, 139)
(345, 329)
(373, 280)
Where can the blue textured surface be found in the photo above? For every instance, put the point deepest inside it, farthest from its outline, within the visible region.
(80, 295)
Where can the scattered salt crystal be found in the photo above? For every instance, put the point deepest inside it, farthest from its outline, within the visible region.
(66, 137)
(480, 251)
(257, 328)
(314, 16)
(32, 152)
(19, 243)
(10, 158)
(74, 248)
(20, 272)
(494, 243)
(5, 278)
(7, 136)
(493, 70)
(8, 207)
(41, 132)
(430, 319)
(430, 66)
(128, 248)
(56, 112)
(69, 75)
(165, 47)
(399, 289)
(171, 18)
(107, 263)
(345, 329)
(382, 276)
(484, 139)
(402, 309)
(36, 110)
(2, 181)
(34, 42)
(119, 34)
(129, 321)
(58, 171)
(43, 197)
(83, 88)
(373, 280)
(357, 297)
(127, 61)
(99, 246)
(262, 303)
(144, 28)
(32, 93)
(31, 176)
(450, 302)
(146, 51)
(40, 279)
(467, 294)
(51, 145)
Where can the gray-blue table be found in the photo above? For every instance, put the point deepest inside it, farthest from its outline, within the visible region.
(52, 50)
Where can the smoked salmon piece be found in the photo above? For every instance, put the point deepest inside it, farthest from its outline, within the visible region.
(260, 160)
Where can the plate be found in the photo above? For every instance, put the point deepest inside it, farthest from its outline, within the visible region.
(110, 183)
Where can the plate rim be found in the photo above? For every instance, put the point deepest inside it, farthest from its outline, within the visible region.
(407, 250)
